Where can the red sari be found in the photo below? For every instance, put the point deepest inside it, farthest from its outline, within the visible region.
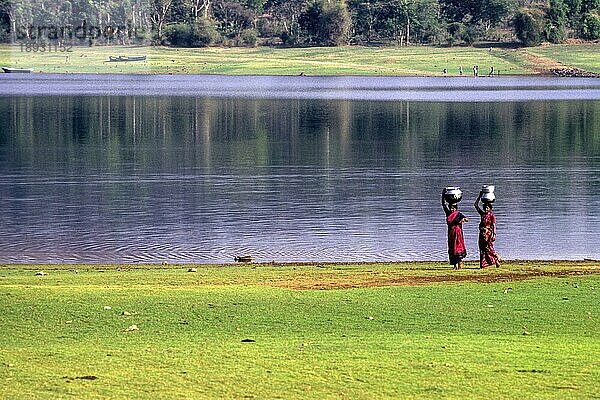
(456, 242)
(487, 236)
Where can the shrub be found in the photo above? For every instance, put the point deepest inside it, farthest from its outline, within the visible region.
(201, 34)
(462, 33)
(249, 37)
(556, 21)
(472, 33)
(288, 39)
(529, 26)
(336, 24)
(590, 27)
(555, 34)
(206, 33)
(178, 34)
(4, 35)
(267, 27)
(326, 24)
(455, 33)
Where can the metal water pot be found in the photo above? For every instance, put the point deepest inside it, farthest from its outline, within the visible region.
(453, 194)
(487, 193)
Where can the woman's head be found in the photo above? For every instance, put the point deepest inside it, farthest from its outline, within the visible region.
(487, 206)
(453, 206)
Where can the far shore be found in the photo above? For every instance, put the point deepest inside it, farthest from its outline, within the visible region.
(568, 60)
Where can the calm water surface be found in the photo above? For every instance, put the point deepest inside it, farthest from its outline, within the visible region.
(98, 177)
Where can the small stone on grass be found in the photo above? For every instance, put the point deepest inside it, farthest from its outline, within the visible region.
(132, 328)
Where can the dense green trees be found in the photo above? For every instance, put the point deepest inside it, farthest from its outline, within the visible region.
(298, 22)
(529, 26)
(202, 33)
(556, 21)
(325, 24)
(590, 26)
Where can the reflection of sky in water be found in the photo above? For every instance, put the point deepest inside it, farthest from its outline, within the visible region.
(128, 179)
(295, 87)
(311, 215)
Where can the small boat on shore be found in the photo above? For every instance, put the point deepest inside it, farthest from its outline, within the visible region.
(126, 58)
(244, 259)
(9, 70)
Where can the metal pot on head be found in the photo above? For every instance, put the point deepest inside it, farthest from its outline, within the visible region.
(487, 194)
(453, 194)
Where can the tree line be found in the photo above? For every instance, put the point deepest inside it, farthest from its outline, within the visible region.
(196, 23)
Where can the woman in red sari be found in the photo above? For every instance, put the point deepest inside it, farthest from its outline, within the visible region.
(456, 242)
(487, 235)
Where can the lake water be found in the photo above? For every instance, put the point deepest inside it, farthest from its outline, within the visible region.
(200, 169)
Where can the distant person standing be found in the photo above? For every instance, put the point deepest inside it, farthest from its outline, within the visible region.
(456, 242)
(487, 235)
(460, 70)
(491, 71)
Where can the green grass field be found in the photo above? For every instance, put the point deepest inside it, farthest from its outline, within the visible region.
(349, 60)
(416, 330)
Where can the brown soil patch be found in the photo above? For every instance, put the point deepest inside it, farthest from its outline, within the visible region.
(546, 66)
(380, 279)
(542, 65)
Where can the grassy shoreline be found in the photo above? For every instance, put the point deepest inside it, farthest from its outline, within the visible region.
(314, 275)
(315, 61)
(271, 331)
(300, 275)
